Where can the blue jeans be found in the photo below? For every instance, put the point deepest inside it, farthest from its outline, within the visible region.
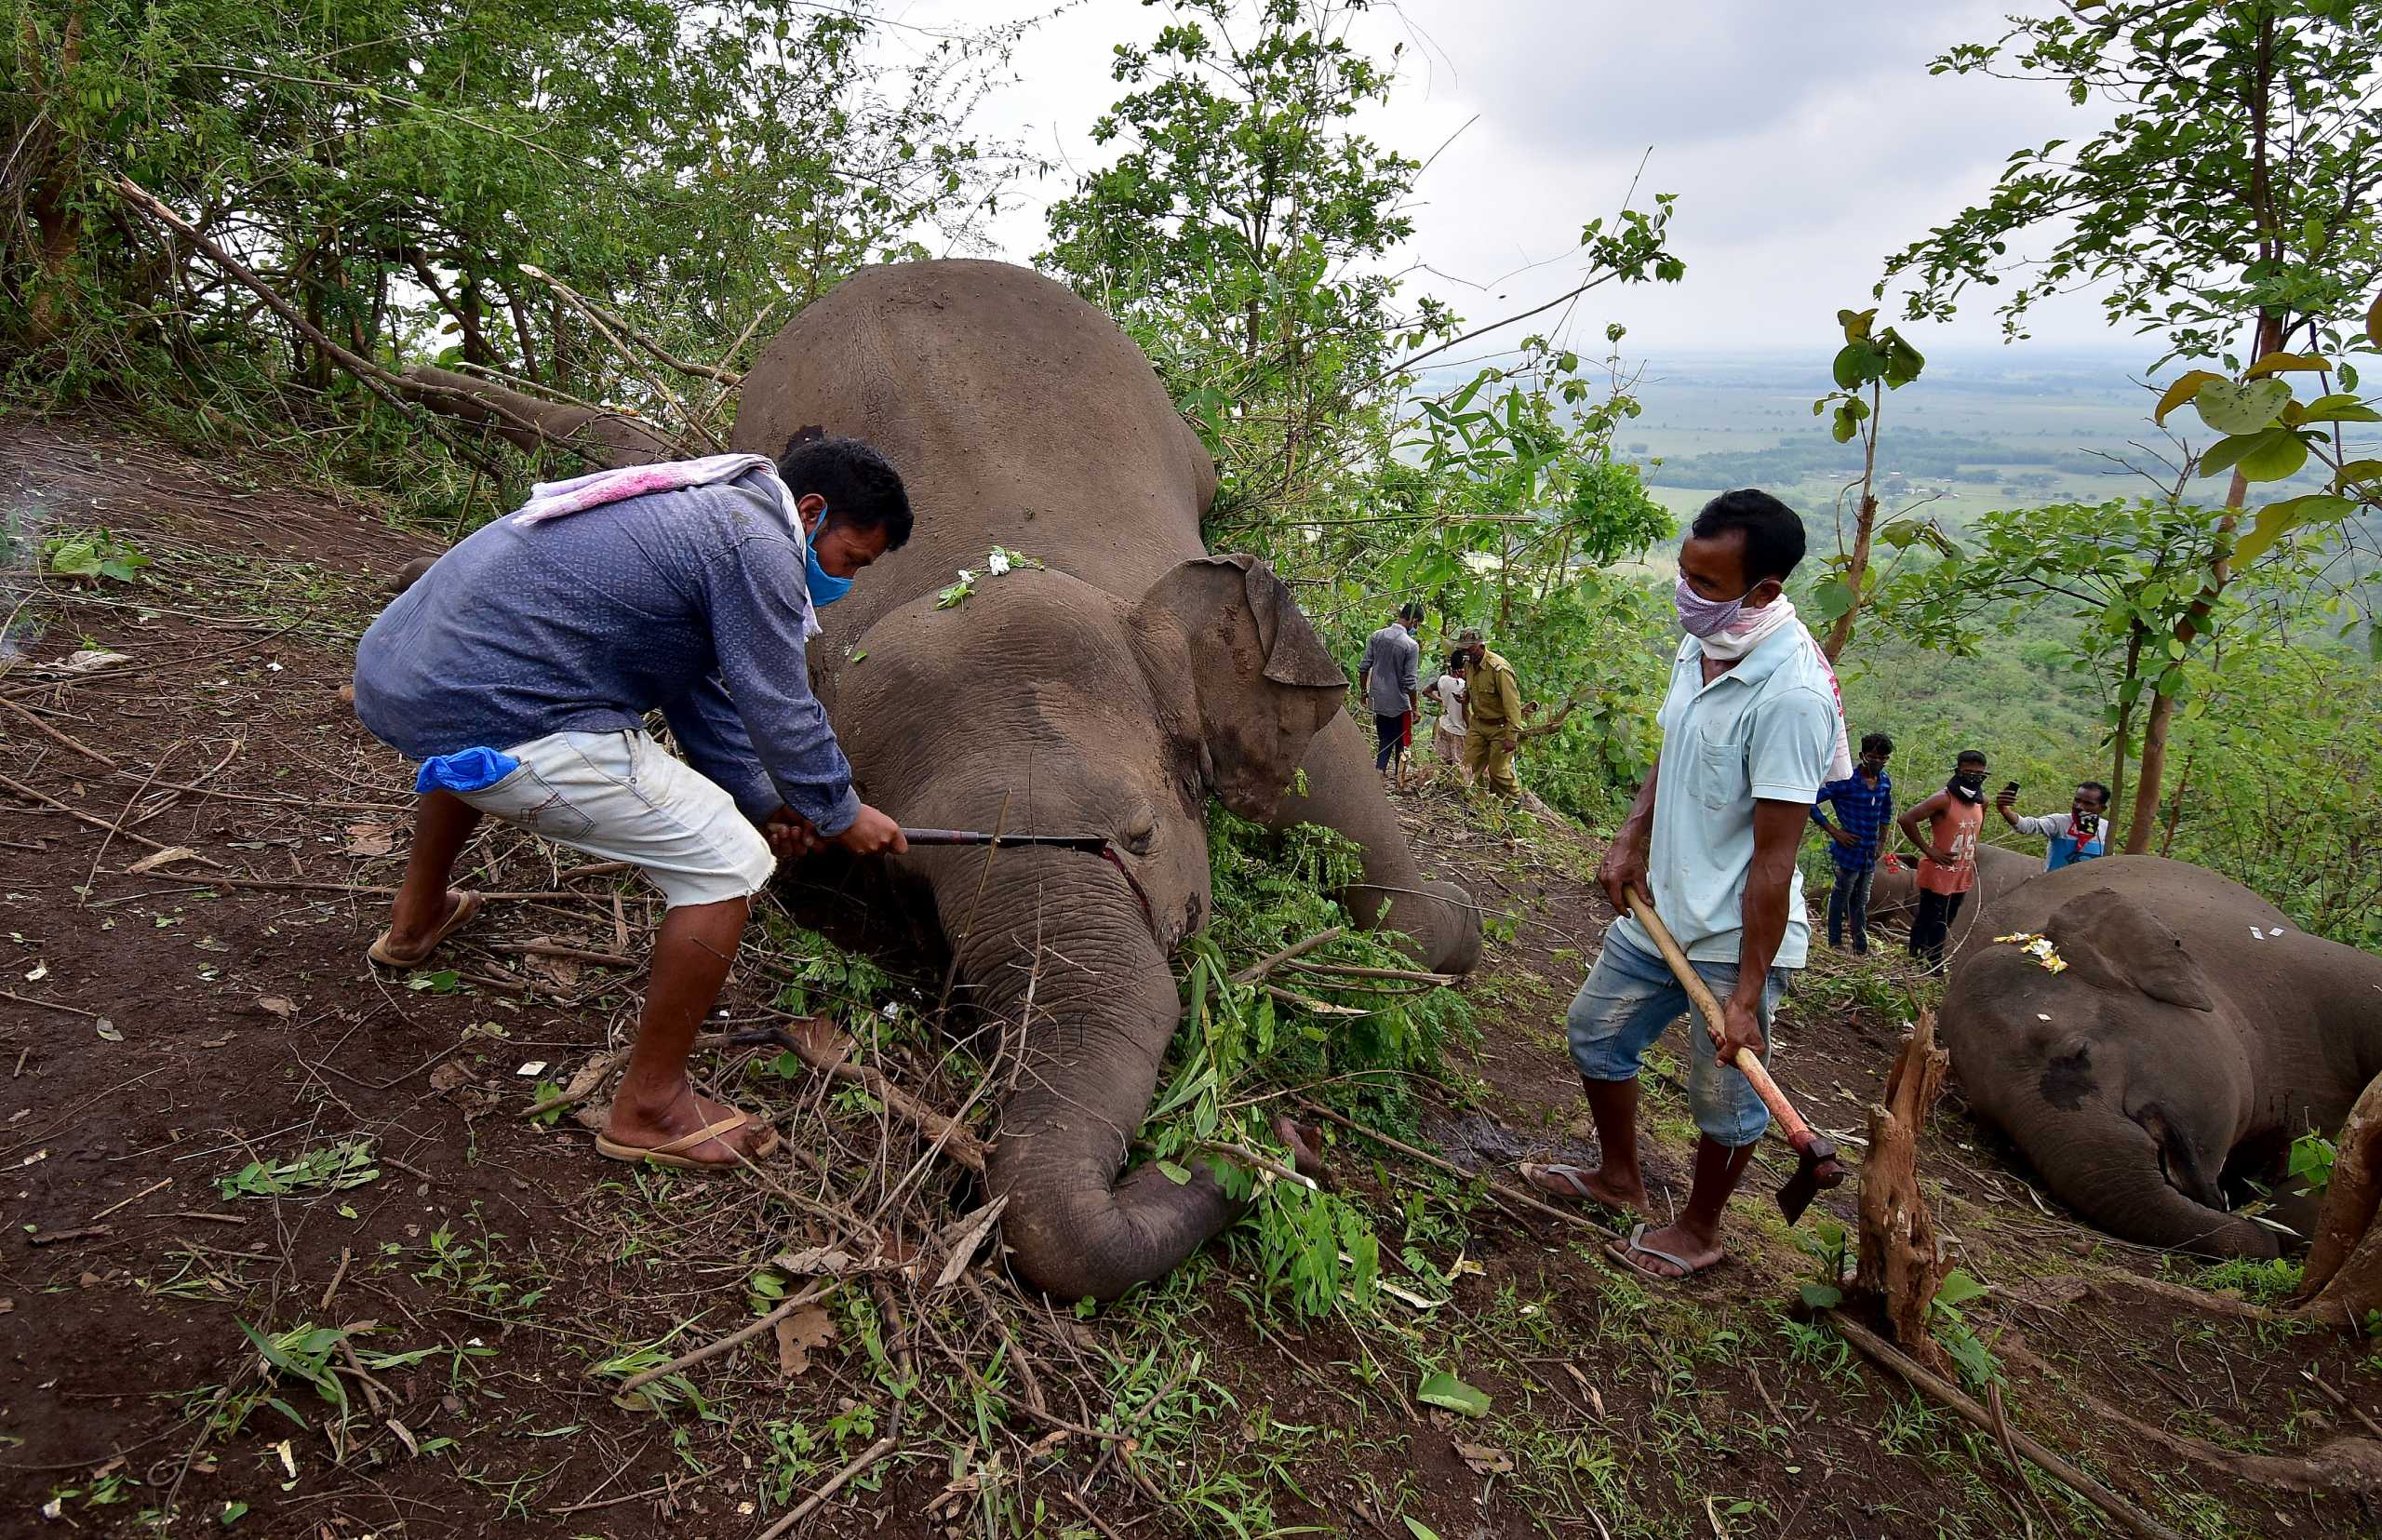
(1851, 899)
(1628, 1000)
(1392, 738)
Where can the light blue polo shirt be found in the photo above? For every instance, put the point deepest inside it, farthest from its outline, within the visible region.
(1764, 729)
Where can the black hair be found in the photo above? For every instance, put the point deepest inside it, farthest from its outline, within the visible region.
(1409, 610)
(1876, 742)
(860, 485)
(1972, 757)
(2094, 787)
(1456, 660)
(1774, 534)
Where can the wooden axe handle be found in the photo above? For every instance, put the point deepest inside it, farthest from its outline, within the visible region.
(1799, 1133)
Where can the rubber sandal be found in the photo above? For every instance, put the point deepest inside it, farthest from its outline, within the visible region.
(1570, 1177)
(1636, 1246)
(667, 1154)
(467, 908)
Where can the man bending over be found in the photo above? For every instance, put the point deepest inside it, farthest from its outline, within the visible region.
(519, 669)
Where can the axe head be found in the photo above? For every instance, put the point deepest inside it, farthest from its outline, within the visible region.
(1815, 1167)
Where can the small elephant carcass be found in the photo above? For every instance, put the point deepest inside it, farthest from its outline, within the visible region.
(2192, 1033)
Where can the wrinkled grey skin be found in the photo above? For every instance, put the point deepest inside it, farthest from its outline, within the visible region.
(1109, 694)
(2173, 1043)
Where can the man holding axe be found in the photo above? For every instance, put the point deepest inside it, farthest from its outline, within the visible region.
(1752, 726)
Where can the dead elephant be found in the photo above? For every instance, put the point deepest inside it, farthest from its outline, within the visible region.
(1110, 692)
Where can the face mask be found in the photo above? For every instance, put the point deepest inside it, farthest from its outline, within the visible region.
(1701, 617)
(826, 587)
(1968, 787)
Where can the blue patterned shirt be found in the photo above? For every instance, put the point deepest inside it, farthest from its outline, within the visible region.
(1862, 811)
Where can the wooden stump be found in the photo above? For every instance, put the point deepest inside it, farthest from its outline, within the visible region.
(2343, 1280)
(1900, 1266)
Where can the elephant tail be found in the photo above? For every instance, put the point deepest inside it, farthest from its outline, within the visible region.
(2136, 1181)
(1103, 1009)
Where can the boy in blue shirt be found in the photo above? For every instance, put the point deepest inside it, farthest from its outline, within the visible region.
(2080, 833)
(1865, 808)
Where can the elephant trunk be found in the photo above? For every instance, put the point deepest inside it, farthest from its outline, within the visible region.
(1341, 793)
(2115, 1172)
(1103, 1009)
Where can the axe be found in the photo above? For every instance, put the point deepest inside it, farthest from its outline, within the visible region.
(1816, 1164)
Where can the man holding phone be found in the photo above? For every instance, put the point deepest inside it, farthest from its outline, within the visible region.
(2080, 833)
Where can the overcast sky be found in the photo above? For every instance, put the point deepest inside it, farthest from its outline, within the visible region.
(1805, 141)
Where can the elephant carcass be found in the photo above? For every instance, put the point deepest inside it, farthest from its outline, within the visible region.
(2193, 1025)
(1109, 690)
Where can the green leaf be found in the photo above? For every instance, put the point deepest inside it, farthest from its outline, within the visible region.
(1822, 1296)
(1856, 323)
(2183, 390)
(2357, 471)
(2278, 454)
(1958, 1289)
(2373, 322)
(1903, 361)
(1174, 1174)
(1420, 1529)
(1441, 1388)
(1857, 364)
(1834, 597)
(2275, 519)
(2247, 407)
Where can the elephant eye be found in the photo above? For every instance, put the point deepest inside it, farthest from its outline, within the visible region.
(1140, 834)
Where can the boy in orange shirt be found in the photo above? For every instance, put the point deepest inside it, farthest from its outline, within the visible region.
(1948, 869)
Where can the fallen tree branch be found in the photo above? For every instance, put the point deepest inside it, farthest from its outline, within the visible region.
(594, 312)
(743, 1334)
(1504, 1192)
(595, 318)
(1887, 1357)
(957, 1142)
(75, 743)
(95, 821)
(1266, 965)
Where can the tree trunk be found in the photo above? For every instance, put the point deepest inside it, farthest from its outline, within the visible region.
(58, 228)
(2343, 1277)
(1900, 1265)
(2123, 740)
(2220, 572)
(1865, 521)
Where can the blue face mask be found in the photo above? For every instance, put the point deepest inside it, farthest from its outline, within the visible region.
(826, 588)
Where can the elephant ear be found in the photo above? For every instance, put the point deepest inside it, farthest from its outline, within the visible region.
(2116, 943)
(1294, 655)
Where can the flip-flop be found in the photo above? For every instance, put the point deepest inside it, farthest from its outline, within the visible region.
(1570, 1177)
(467, 908)
(1624, 1252)
(666, 1153)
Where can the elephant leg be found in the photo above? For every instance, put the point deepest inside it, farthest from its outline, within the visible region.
(2121, 1176)
(1343, 793)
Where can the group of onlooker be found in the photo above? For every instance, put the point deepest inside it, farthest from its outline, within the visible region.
(1480, 708)
(1944, 829)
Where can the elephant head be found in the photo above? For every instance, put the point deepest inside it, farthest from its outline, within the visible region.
(1043, 705)
(2127, 1079)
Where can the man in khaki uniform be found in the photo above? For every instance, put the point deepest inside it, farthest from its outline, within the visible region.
(1493, 702)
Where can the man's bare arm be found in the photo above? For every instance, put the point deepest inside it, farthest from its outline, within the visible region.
(1624, 861)
(1770, 885)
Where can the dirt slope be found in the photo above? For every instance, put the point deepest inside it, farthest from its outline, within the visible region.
(181, 1039)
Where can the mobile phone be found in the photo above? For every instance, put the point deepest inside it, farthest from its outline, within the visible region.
(2010, 790)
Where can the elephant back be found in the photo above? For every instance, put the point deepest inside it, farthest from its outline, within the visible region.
(1018, 414)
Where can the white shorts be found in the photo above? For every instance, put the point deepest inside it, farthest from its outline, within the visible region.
(621, 796)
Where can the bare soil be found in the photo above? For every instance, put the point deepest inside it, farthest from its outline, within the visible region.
(163, 1030)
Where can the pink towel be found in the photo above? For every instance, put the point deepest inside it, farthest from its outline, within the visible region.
(559, 498)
